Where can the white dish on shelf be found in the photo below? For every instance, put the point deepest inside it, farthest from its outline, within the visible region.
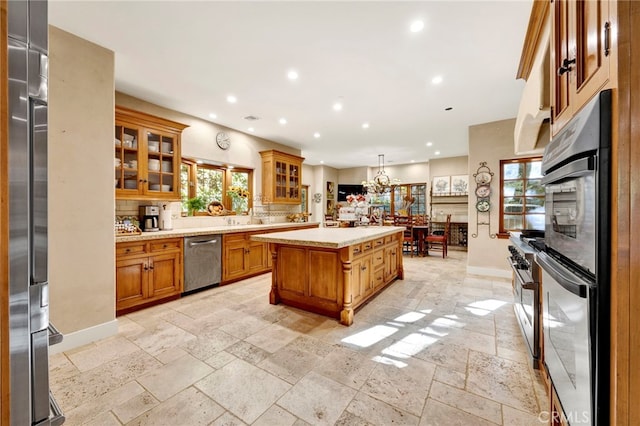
(154, 164)
(157, 187)
(167, 147)
(154, 146)
(130, 184)
(117, 142)
(127, 137)
(167, 166)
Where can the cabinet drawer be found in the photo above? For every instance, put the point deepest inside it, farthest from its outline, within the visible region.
(228, 238)
(129, 249)
(356, 250)
(378, 258)
(164, 245)
(389, 238)
(367, 245)
(378, 278)
(379, 242)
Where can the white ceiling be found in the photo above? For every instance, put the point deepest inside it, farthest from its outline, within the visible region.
(188, 56)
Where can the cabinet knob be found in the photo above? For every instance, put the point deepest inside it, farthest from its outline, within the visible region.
(127, 250)
(146, 268)
(566, 65)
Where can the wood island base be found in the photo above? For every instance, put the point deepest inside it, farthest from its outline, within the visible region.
(334, 281)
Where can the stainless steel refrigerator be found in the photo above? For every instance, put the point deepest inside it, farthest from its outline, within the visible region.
(30, 332)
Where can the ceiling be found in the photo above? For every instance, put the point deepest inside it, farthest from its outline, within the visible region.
(189, 56)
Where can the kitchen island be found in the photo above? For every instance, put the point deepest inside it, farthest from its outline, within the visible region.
(332, 271)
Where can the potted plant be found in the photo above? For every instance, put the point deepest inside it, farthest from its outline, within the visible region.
(196, 204)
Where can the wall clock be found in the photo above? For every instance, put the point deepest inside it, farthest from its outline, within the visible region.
(223, 140)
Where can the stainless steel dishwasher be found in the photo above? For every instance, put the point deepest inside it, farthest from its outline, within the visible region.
(202, 262)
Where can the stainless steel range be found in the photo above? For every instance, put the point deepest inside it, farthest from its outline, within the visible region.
(526, 292)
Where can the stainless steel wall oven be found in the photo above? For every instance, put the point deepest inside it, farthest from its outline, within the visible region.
(576, 263)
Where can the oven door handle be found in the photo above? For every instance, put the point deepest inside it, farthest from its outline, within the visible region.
(524, 283)
(581, 167)
(562, 275)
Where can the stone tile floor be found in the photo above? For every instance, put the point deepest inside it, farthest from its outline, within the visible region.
(438, 348)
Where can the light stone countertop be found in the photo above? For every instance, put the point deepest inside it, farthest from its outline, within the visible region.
(222, 229)
(328, 237)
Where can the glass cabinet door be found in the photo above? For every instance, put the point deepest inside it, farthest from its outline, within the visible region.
(281, 180)
(160, 163)
(126, 159)
(294, 182)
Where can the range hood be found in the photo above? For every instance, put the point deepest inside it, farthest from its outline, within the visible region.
(532, 130)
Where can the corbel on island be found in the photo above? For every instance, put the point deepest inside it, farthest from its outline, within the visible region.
(332, 271)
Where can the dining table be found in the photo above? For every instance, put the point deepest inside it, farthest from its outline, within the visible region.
(421, 231)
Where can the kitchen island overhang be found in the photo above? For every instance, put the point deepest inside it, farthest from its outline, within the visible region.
(332, 271)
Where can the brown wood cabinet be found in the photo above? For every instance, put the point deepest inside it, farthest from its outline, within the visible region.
(147, 156)
(581, 47)
(334, 281)
(281, 177)
(242, 257)
(147, 272)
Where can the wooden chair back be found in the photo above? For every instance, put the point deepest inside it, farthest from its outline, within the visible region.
(440, 239)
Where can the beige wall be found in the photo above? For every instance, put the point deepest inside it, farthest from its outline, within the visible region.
(489, 142)
(448, 167)
(81, 203)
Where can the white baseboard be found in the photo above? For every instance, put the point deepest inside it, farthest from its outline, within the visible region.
(84, 336)
(490, 272)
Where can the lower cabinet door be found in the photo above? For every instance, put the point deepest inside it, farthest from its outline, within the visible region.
(165, 275)
(256, 257)
(234, 262)
(132, 282)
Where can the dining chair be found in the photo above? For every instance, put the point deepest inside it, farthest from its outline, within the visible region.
(408, 238)
(439, 238)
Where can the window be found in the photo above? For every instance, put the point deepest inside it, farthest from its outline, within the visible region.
(395, 202)
(212, 182)
(521, 195)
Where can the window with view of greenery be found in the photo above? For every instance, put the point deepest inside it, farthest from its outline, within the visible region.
(212, 183)
(521, 195)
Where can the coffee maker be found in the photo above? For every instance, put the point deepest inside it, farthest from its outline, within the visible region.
(149, 216)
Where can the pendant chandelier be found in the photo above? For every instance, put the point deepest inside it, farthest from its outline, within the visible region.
(381, 183)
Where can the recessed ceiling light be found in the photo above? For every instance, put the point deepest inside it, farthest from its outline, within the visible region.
(199, 161)
(437, 153)
(212, 115)
(337, 106)
(229, 167)
(365, 125)
(413, 161)
(416, 26)
(250, 129)
(437, 79)
(448, 108)
(316, 135)
(292, 75)
(321, 161)
(429, 143)
(283, 121)
(232, 99)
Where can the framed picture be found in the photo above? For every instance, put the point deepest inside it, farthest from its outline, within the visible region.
(460, 184)
(440, 185)
(330, 190)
